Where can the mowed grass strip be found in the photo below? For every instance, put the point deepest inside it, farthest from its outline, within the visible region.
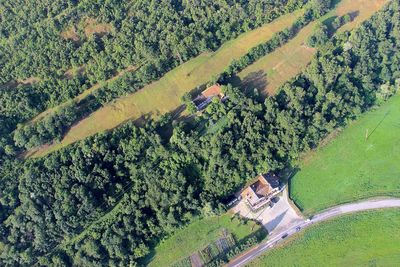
(364, 239)
(164, 95)
(271, 71)
(352, 167)
(198, 235)
(84, 94)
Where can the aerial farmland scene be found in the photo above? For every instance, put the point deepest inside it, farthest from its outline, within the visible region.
(199, 133)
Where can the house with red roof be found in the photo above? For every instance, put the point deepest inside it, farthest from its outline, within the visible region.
(260, 192)
(205, 98)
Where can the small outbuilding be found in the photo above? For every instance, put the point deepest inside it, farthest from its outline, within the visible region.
(205, 98)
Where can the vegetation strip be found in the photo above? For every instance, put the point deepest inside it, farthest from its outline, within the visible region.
(149, 102)
(284, 63)
(145, 104)
(31, 46)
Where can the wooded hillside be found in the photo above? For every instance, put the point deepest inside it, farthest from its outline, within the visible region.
(106, 200)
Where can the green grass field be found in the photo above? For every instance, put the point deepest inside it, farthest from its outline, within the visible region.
(271, 71)
(364, 239)
(351, 167)
(196, 236)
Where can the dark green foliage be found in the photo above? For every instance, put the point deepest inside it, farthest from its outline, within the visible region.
(324, 32)
(154, 36)
(104, 201)
(276, 41)
(319, 37)
(320, 7)
(52, 127)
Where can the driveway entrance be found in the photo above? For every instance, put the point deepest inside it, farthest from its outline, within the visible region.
(282, 215)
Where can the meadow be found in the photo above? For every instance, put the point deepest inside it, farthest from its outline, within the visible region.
(164, 95)
(361, 162)
(274, 69)
(196, 236)
(364, 239)
(85, 93)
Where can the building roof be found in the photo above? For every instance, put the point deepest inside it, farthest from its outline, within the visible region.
(272, 180)
(211, 91)
(262, 188)
(202, 100)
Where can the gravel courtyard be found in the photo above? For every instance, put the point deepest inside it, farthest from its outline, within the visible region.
(281, 216)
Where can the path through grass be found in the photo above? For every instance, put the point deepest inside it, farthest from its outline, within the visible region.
(365, 239)
(351, 167)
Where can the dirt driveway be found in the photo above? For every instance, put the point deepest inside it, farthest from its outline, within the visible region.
(281, 216)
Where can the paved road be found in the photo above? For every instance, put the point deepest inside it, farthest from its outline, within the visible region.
(320, 217)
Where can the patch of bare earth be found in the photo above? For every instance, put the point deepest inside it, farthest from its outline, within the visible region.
(24, 82)
(91, 26)
(29, 81)
(70, 34)
(73, 72)
(196, 260)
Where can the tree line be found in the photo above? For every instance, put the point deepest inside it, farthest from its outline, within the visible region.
(155, 35)
(315, 9)
(133, 81)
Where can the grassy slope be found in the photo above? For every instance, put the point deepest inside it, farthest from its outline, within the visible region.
(196, 236)
(164, 95)
(351, 167)
(284, 63)
(365, 239)
(84, 94)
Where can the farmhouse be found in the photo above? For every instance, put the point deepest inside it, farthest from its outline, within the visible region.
(259, 193)
(202, 100)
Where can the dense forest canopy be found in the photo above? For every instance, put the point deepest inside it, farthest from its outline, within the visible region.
(54, 125)
(106, 200)
(44, 41)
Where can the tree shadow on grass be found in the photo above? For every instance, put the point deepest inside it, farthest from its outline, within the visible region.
(255, 80)
(329, 22)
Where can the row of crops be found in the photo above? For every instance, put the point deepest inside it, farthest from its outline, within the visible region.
(209, 253)
(222, 250)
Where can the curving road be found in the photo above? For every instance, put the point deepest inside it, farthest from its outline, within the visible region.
(327, 214)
